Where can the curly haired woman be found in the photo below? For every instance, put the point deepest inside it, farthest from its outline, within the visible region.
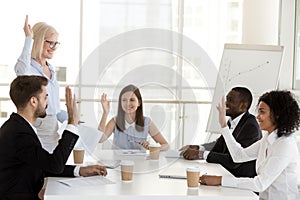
(276, 153)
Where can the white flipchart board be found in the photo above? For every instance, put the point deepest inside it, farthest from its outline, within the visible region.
(256, 67)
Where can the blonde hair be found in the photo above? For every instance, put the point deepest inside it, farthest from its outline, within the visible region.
(41, 30)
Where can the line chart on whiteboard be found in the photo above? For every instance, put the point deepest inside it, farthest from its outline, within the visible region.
(228, 77)
(255, 67)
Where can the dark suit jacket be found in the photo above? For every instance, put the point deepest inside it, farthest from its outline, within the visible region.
(246, 133)
(23, 161)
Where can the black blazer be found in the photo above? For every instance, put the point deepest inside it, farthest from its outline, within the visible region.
(23, 161)
(246, 133)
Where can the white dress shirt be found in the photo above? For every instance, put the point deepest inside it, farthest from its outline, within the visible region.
(233, 123)
(276, 166)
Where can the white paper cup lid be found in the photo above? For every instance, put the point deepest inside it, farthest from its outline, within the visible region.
(127, 162)
(193, 169)
(78, 149)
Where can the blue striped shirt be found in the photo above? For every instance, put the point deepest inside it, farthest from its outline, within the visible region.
(28, 66)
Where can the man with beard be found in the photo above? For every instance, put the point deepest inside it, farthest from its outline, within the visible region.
(244, 128)
(23, 161)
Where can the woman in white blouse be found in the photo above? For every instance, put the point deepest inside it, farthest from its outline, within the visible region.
(276, 153)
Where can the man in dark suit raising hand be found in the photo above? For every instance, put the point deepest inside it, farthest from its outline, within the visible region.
(23, 161)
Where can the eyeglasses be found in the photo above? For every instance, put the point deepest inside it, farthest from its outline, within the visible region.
(52, 44)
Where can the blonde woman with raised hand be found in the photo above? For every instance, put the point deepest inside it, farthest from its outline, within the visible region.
(41, 43)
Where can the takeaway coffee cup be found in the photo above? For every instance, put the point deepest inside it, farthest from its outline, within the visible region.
(127, 170)
(193, 174)
(154, 150)
(78, 155)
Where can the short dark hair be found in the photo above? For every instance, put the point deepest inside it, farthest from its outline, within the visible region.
(284, 110)
(120, 119)
(245, 95)
(24, 87)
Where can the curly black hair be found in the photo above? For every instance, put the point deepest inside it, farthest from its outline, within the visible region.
(284, 110)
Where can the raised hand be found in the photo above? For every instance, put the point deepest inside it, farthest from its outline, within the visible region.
(222, 113)
(70, 106)
(27, 28)
(105, 104)
(75, 111)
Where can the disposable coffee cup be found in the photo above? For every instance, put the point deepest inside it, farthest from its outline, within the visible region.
(127, 170)
(154, 150)
(193, 174)
(78, 155)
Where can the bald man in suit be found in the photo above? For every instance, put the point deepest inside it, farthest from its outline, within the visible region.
(245, 130)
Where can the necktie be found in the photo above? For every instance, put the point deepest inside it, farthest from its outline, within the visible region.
(229, 124)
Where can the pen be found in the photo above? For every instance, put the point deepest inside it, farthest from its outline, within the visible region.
(133, 141)
(66, 184)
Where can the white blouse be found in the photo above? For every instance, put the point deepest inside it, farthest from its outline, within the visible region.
(276, 166)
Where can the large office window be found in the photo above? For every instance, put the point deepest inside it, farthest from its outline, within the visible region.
(159, 45)
(63, 15)
(297, 47)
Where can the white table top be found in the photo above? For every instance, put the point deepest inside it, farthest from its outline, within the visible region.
(146, 183)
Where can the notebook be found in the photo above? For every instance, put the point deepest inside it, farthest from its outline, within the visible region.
(173, 172)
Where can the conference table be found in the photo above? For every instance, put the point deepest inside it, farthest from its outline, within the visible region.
(146, 183)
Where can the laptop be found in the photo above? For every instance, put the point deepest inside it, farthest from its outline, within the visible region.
(173, 172)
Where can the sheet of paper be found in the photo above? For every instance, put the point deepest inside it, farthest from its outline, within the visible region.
(110, 163)
(89, 138)
(86, 181)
